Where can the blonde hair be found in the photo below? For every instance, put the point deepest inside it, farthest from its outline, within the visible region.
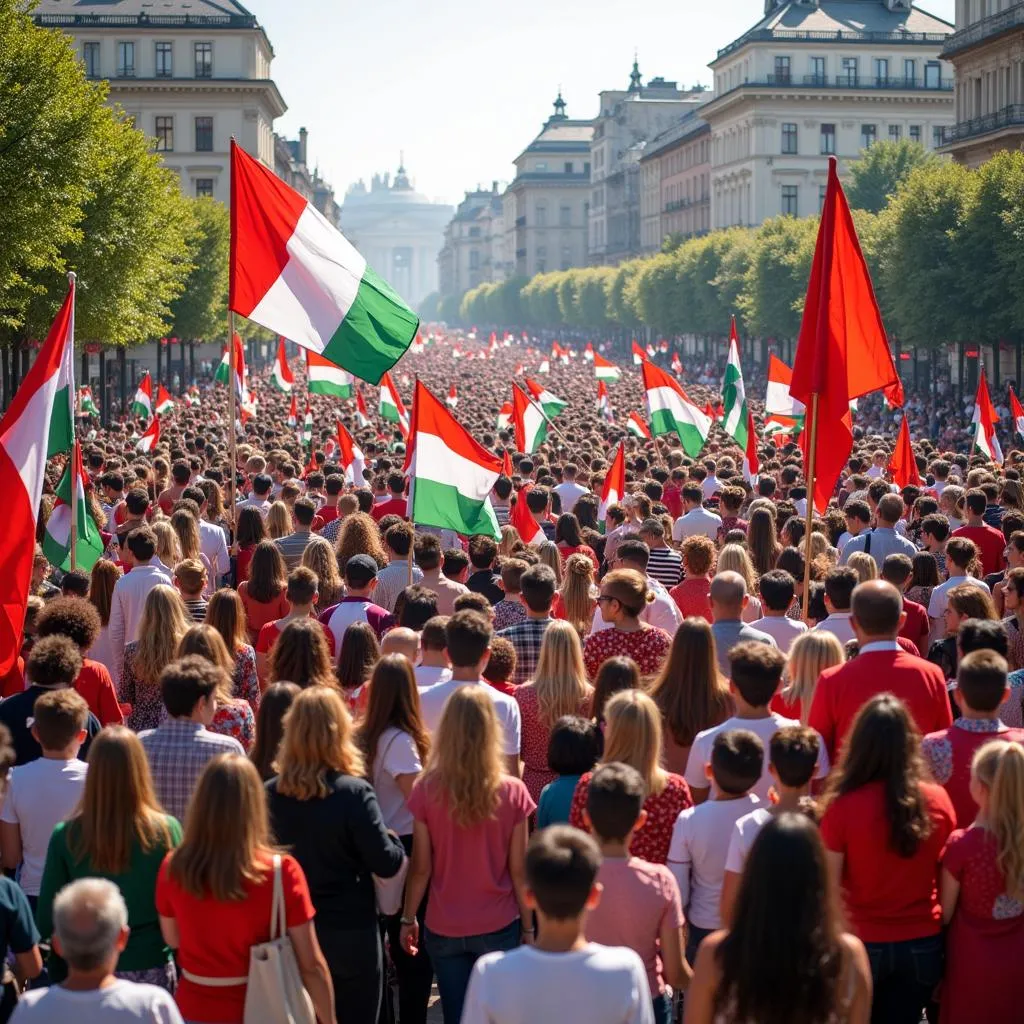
(734, 558)
(163, 624)
(465, 759)
(319, 556)
(168, 548)
(633, 736)
(811, 653)
(560, 678)
(818, 545)
(577, 592)
(999, 767)
(509, 539)
(550, 556)
(186, 526)
(318, 738)
(863, 565)
(279, 521)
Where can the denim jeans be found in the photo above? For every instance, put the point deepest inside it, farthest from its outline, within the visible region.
(905, 975)
(694, 937)
(663, 1009)
(453, 961)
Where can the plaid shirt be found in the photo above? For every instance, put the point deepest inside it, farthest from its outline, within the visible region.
(392, 580)
(178, 751)
(526, 637)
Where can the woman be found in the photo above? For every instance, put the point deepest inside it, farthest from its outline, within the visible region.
(575, 600)
(279, 521)
(1011, 496)
(785, 958)
(792, 561)
(119, 832)
(983, 893)
(692, 594)
(324, 810)
(319, 556)
(469, 844)
(215, 506)
(277, 699)
(624, 595)
(301, 656)
(101, 589)
(965, 601)
(615, 675)
(884, 826)
(251, 530)
(689, 692)
(264, 593)
(1013, 605)
(734, 558)
(168, 548)
(186, 528)
(569, 541)
(762, 541)
(925, 578)
(226, 614)
(359, 653)
(359, 536)
(161, 628)
(395, 743)
(633, 736)
(234, 716)
(559, 687)
(810, 654)
(223, 873)
(510, 542)
(864, 565)
(547, 551)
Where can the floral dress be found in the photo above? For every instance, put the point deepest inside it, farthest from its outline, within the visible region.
(235, 718)
(647, 646)
(246, 684)
(535, 737)
(147, 704)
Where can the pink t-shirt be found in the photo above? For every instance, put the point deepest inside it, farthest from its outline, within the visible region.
(638, 899)
(470, 886)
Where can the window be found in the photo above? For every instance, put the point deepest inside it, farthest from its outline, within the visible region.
(910, 70)
(204, 188)
(817, 71)
(789, 194)
(895, 133)
(915, 133)
(868, 134)
(474, 259)
(204, 60)
(565, 215)
(933, 75)
(541, 212)
(881, 71)
(566, 257)
(789, 139)
(936, 136)
(782, 70)
(586, 167)
(541, 165)
(849, 70)
(568, 167)
(822, 189)
(91, 59)
(204, 134)
(164, 60)
(165, 134)
(828, 139)
(125, 60)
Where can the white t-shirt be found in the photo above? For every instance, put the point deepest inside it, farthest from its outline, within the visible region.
(940, 595)
(39, 795)
(764, 729)
(698, 522)
(396, 755)
(781, 628)
(597, 984)
(431, 675)
(696, 855)
(569, 493)
(744, 832)
(124, 1001)
(432, 703)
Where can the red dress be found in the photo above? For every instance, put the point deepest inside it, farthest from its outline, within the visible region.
(651, 842)
(647, 646)
(985, 941)
(535, 736)
(581, 549)
(693, 597)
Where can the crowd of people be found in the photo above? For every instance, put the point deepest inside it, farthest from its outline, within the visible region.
(688, 760)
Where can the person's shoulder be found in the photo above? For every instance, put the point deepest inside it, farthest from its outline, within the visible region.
(215, 739)
(938, 799)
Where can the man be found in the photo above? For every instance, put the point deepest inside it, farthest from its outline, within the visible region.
(111, 486)
(858, 519)
(696, 519)
(212, 540)
(395, 576)
(899, 571)
(394, 503)
(180, 474)
(538, 504)
(988, 540)
(483, 580)
(711, 485)
(356, 606)
(777, 588)
(136, 505)
(433, 666)
(662, 611)
(997, 581)
(295, 543)
(960, 556)
(839, 587)
(665, 564)
(729, 598)
(328, 511)
(880, 666)
(568, 491)
(883, 540)
(428, 559)
(538, 585)
(180, 747)
(940, 470)
(260, 499)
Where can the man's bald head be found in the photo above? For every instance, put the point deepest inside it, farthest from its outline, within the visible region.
(877, 608)
(401, 640)
(728, 590)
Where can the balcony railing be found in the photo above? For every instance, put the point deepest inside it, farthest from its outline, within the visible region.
(1009, 117)
(768, 35)
(685, 204)
(157, 20)
(852, 81)
(987, 28)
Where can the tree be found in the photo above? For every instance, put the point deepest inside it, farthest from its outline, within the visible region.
(776, 279)
(200, 311)
(880, 171)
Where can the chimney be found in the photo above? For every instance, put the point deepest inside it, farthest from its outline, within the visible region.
(494, 187)
(303, 139)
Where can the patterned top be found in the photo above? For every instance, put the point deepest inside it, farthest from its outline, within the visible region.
(666, 566)
(922, 595)
(651, 842)
(331, 530)
(526, 637)
(236, 718)
(245, 683)
(731, 523)
(147, 704)
(196, 609)
(508, 613)
(938, 750)
(971, 858)
(692, 597)
(1015, 654)
(1011, 711)
(647, 646)
(535, 736)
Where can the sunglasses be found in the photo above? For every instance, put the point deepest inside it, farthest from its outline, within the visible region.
(606, 597)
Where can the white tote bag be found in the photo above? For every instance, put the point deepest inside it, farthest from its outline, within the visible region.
(390, 891)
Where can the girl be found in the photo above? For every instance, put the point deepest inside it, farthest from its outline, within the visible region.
(226, 614)
(319, 556)
(269, 727)
(251, 530)
(575, 600)
(809, 656)
(301, 656)
(263, 594)
(101, 589)
(615, 675)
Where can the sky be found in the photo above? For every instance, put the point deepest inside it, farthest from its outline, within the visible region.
(462, 86)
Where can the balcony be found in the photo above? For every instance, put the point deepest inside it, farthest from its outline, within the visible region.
(987, 28)
(767, 35)
(685, 204)
(1009, 117)
(850, 81)
(150, 20)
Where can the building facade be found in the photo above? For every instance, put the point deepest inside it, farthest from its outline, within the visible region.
(545, 208)
(192, 74)
(465, 259)
(816, 78)
(291, 166)
(987, 51)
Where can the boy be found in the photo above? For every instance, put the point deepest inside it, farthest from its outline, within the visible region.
(700, 838)
(434, 666)
(755, 671)
(899, 571)
(501, 666)
(640, 906)
(777, 589)
(792, 757)
(190, 581)
(562, 977)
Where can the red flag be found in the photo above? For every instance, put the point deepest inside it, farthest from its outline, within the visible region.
(1016, 413)
(151, 437)
(709, 411)
(903, 465)
(842, 352)
(506, 465)
(614, 483)
(520, 517)
(293, 412)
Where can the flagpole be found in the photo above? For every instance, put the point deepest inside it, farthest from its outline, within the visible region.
(72, 278)
(547, 419)
(810, 502)
(408, 508)
(232, 438)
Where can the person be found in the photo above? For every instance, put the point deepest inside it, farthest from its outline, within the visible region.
(429, 559)
(226, 614)
(883, 540)
(118, 832)
(961, 555)
(762, 540)
(689, 692)
(575, 600)
(91, 933)
(537, 585)
(433, 665)
(224, 871)
(664, 563)
(989, 541)
(857, 514)
(325, 812)
(482, 580)
(570, 542)
(640, 906)
(303, 594)
(884, 824)
(279, 522)
(734, 558)
(190, 580)
(181, 745)
(562, 976)
(574, 747)
(277, 699)
(569, 491)
(559, 687)
(615, 675)
(396, 575)
(692, 594)
(102, 580)
(320, 558)
(469, 844)
(862, 565)
(263, 594)
(839, 586)
(633, 736)
(982, 893)
(784, 957)
(810, 655)
(777, 590)
(301, 656)
(393, 501)
(729, 600)
(661, 611)
(696, 519)
(898, 570)
(923, 580)
(359, 653)
(963, 602)
(252, 529)
(755, 670)
(293, 545)
(880, 665)
(360, 583)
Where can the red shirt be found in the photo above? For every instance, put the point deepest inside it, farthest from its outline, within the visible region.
(888, 898)
(991, 545)
(258, 614)
(672, 499)
(580, 549)
(502, 686)
(327, 515)
(271, 631)
(242, 560)
(693, 597)
(843, 690)
(391, 507)
(917, 626)
(14, 681)
(97, 688)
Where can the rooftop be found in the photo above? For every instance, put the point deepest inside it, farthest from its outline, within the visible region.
(689, 125)
(126, 13)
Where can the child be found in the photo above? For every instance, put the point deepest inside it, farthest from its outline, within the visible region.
(573, 748)
(792, 757)
(190, 580)
(434, 666)
(640, 906)
(501, 667)
(562, 977)
(981, 686)
(812, 652)
(777, 589)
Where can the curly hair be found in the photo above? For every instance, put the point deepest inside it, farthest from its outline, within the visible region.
(72, 617)
(359, 536)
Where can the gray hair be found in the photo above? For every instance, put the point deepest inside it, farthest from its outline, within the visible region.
(728, 589)
(88, 916)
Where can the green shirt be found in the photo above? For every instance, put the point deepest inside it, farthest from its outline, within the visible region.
(145, 949)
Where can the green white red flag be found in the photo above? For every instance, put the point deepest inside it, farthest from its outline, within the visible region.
(293, 413)
(550, 403)
(324, 378)
(636, 426)
(150, 437)
(142, 404)
(281, 376)
(751, 463)
(86, 404)
(504, 416)
(605, 370)
(71, 503)
(350, 457)
(164, 402)
(1016, 413)
(528, 421)
(671, 411)
(362, 416)
(734, 395)
(391, 407)
(639, 355)
(614, 483)
(530, 531)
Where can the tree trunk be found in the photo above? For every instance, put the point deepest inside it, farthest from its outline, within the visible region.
(996, 353)
(159, 363)
(191, 361)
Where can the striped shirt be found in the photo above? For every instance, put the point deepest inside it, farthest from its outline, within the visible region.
(666, 566)
(196, 609)
(292, 548)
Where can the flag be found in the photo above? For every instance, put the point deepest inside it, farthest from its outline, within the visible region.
(604, 370)
(57, 538)
(551, 404)
(293, 413)
(670, 410)
(507, 469)
(719, 413)
(350, 457)
(614, 483)
(362, 416)
(241, 373)
(903, 465)
(150, 438)
(391, 407)
(709, 411)
(453, 396)
(751, 463)
(142, 404)
(327, 379)
(192, 396)
(663, 346)
(294, 273)
(417, 345)
(545, 366)
(635, 425)
(604, 408)
(639, 355)
(588, 352)
(32, 428)
(164, 402)
(531, 428)
(985, 419)
(504, 416)
(307, 424)
(450, 474)
(778, 398)
(282, 377)
(86, 405)
(734, 394)
(530, 531)
(677, 363)
(842, 352)
(1016, 413)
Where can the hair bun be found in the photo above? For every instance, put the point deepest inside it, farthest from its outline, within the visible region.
(580, 566)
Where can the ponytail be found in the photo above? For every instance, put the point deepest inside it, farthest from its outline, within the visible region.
(999, 766)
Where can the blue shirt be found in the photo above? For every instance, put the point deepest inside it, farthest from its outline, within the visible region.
(555, 801)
